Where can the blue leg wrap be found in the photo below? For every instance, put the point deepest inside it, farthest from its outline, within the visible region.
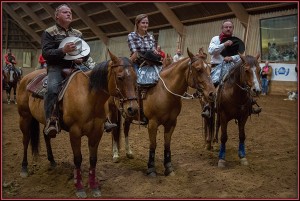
(242, 150)
(222, 152)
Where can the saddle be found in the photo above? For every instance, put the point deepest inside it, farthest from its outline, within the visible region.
(38, 86)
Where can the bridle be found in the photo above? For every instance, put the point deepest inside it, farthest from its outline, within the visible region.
(198, 86)
(120, 96)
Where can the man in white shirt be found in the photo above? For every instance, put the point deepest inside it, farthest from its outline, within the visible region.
(224, 48)
(177, 56)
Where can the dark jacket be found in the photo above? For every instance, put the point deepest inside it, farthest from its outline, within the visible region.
(51, 38)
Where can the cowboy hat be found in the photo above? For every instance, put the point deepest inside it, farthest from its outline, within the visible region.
(151, 56)
(82, 48)
(237, 46)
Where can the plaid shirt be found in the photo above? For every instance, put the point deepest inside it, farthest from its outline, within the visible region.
(140, 43)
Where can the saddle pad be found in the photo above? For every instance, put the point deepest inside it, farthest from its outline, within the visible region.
(36, 86)
(148, 75)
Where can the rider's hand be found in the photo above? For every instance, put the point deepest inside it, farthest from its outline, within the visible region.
(69, 47)
(228, 43)
(228, 59)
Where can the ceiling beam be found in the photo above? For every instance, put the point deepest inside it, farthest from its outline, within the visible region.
(48, 9)
(171, 17)
(33, 15)
(240, 12)
(21, 22)
(122, 18)
(88, 21)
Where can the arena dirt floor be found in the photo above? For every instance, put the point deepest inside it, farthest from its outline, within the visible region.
(271, 148)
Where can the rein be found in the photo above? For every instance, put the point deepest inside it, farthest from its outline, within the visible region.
(186, 95)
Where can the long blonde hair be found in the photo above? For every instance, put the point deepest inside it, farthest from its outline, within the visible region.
(138, 19)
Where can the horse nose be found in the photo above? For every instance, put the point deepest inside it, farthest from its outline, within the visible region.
(131, 111)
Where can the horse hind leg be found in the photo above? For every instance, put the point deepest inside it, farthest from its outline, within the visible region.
(49, 151)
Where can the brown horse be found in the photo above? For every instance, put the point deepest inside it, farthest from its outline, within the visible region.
(11, 79)
(234, 101)
(82, 112)
(162, 105)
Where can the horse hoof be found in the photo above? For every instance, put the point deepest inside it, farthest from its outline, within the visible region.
(171, 174)
(208, 146)
(81, 194)
(222, 163)
(96, 193)
(116, 159)
(152, 174)
(24, 174)
(130, 156)
(244, 161)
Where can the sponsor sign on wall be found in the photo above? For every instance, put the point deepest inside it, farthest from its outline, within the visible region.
(283, 72)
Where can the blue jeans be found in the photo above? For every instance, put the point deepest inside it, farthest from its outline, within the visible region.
(264, 85)
(54, 81)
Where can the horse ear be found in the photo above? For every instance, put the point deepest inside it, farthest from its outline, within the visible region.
(242, 56)
(112, 56)
(257, 56)
(201, 50)
(202, 54)
(189, 53)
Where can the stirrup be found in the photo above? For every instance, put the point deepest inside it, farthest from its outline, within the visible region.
(51, 128)
(108, 126)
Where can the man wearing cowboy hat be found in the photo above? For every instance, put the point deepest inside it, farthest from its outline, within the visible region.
(225, 48)
(62, 47)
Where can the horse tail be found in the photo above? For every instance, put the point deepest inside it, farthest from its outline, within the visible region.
(34, 136)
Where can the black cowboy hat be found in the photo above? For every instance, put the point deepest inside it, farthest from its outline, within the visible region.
(151, 56)
(237, 46)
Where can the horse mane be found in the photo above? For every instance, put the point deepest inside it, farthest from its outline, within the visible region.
(98, 78)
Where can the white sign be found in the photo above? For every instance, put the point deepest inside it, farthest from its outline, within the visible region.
(283, 72)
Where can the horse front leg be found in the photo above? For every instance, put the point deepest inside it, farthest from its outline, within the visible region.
(15, 94)
(129, 153)
(8, 89)
(152, 131)
(169, 170)
(222, 151)
(93, 141)
(76, 147)
(242, 137)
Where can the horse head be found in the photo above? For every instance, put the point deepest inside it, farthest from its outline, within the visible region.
(122, 80)
(252, 73)
(199, 77)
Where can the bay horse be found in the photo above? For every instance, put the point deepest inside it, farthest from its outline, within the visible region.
(234, 101)
(82, 112)
(162, 105)
(11, 80)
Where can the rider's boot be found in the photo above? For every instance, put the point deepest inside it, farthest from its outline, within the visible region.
(108, 126)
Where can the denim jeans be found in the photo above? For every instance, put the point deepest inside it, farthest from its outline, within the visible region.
(54, 81)
(264, 85)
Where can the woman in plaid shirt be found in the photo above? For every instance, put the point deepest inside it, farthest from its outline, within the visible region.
(140, 40)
